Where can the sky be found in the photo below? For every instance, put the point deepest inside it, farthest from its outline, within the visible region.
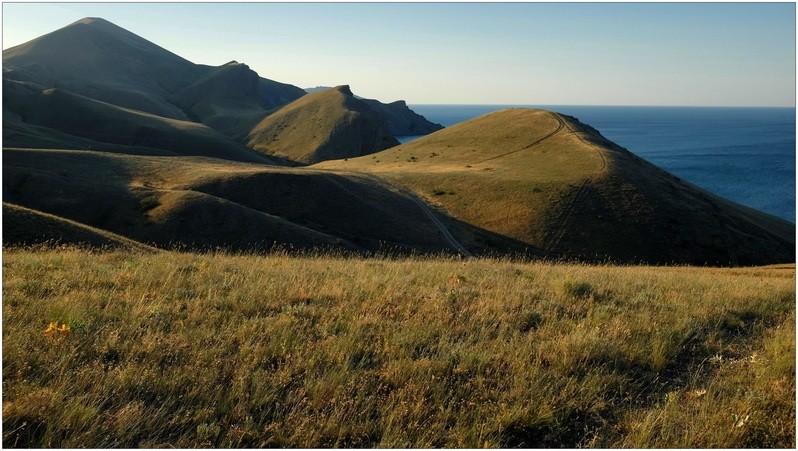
(687, 54)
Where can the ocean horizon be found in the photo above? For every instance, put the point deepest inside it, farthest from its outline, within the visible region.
(745, 154)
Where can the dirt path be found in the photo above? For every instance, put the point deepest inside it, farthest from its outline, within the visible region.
(580, 191)
(538, 141)
(447, 235)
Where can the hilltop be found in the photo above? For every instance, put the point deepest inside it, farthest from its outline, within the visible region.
(324, 125)
(399, 118)
(562, 189)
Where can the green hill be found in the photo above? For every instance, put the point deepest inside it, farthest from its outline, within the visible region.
(322, 126)
(558, 186)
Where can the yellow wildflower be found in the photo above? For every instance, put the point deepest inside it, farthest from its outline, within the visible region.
(51, 328)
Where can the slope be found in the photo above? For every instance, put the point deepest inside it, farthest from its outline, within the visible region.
(322, 126)
(398, 117)
(24, 227)
(203, 203)
(97, 59)
(73, 115)
(561, 188)
(401, 120)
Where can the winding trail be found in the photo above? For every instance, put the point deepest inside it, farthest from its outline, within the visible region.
(447, 235)
(560, 126)
(580, 191)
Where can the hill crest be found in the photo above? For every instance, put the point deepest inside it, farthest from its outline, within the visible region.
(322, 126)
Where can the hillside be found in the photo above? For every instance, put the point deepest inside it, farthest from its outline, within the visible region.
(31, 110)
(185, 350)
(563, 190)
(401, 120)
(25, 227)
(322, 126)
(524, 182)
(202, 203)
(99, 60)
(398, 117)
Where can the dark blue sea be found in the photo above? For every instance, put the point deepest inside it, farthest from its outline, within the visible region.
(743, 154)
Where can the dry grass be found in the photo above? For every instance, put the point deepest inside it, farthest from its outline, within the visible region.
(192, 350)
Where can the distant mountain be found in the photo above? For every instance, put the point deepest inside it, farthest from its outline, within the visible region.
(399, 118)
(97, 59)
(325, 125)
(100, 60)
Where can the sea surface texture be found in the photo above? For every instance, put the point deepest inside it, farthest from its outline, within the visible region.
(743, 154)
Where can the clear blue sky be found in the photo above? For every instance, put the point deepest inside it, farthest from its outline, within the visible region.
(486, 53)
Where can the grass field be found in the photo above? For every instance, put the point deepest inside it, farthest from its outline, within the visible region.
(188, 350)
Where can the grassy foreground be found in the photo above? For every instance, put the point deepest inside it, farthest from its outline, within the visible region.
(191, 350)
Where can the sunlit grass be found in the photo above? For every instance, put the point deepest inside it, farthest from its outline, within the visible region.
(188, 350)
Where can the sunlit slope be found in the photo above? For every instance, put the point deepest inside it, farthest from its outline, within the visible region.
(557, 185)
(206, 203)
(322, 126)
(72, 118)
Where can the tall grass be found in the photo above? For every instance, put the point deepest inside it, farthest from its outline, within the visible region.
(190, 350)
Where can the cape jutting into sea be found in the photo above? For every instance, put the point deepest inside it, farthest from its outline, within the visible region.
(744, 154)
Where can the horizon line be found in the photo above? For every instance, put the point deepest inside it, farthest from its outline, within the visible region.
(598, 105)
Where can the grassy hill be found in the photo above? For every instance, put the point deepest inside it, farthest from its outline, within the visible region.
(187, 350)
(321, 126)
(557, 185)
(31, 111)
(204, 203)
(25, 227)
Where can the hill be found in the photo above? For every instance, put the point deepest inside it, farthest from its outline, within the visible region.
(563, 190)
(218, 351)
(33, 115)
(97, 59)
(401, 120)
(203, 203)
(25, 227)
(321, 126)
(398, 117)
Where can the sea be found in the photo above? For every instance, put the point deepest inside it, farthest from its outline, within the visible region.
(743, 154)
